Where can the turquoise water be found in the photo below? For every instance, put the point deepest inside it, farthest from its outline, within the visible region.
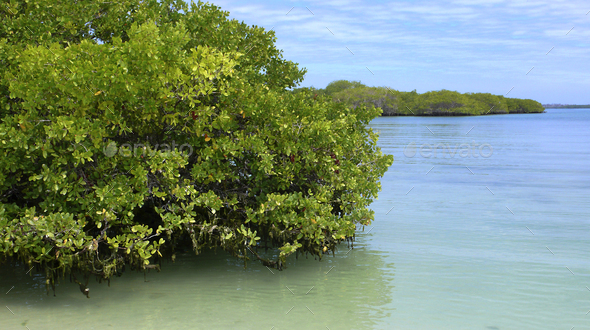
(490, 239)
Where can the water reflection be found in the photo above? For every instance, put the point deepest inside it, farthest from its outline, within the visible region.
(348, 290)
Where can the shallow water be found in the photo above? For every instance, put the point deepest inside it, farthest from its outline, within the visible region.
(472, 242)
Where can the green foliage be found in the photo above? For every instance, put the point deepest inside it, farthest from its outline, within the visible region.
(131, 130)
(341, 85)
(441, 103)
(407, 102)
(379, 97)
(524, 106)
(487, 103)
(434, 103)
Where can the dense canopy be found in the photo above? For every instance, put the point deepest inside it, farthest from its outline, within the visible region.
(433, 103)
(134, 130)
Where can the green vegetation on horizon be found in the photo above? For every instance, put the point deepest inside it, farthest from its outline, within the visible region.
(434, 103)
(133, 130)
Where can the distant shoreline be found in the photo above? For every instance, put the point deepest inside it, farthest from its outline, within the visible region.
(434, 103)
(566, 106)
(457, 114)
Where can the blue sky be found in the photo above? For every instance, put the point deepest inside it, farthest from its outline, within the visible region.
(466, 46)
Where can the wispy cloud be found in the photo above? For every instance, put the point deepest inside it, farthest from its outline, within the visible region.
(470, 46)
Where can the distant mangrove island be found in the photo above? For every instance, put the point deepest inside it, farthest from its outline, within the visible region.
(434, 103)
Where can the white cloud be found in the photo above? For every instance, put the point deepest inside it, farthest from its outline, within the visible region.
(481, 42)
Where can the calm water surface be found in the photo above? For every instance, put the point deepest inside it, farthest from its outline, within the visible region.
(496, 238)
